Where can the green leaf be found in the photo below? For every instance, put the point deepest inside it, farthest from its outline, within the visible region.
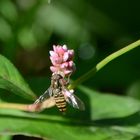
(134, 90)
(105, 105)
(10, 79)
(111, 118)
(52, 127)
(5, 137)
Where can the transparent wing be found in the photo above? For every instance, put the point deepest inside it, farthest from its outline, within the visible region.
(75, 102)
(47, 94)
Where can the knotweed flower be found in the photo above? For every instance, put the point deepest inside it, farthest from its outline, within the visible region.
(62, 60)
(62, 67)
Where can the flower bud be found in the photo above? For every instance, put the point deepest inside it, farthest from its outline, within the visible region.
(61, 59)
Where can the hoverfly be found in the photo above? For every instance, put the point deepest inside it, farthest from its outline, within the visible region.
(61, 95)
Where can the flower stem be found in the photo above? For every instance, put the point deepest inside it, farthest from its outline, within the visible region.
(28, 107)
(23, 107)
(104, 62)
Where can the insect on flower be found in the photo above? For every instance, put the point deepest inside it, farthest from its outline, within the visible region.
(62, 67)
(60, 93)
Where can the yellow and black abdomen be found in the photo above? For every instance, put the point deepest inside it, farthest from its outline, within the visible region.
(60, 102)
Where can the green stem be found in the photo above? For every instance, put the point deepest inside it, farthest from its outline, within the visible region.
(104, 62)
(23, 107)
(28, 107)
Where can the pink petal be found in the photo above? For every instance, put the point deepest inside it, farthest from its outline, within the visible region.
(67, 72)
(70, 63)
(52, 60)
(71, 52)
(53, 54)
(60, 51)
(54, 48)
(64, 65)
(56, 60)
(65, 56)
(65, 48)
(53, 69)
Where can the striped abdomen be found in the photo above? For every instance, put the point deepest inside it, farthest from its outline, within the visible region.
(60, 102)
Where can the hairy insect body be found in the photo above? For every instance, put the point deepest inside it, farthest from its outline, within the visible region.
(60, 102)
(59, 98)
(57, 93)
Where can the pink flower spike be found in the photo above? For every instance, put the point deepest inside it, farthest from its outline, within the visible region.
(61, 59)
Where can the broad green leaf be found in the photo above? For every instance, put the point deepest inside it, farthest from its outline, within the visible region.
(5, 137)
(105, 105)
(10, 79)
(53, 127)
(111, 118)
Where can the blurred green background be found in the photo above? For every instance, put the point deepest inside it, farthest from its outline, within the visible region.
(93, 28)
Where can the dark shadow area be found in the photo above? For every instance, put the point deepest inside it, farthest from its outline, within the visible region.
(21, 137)
(10, 97)
(130, 120)
(136, 138)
